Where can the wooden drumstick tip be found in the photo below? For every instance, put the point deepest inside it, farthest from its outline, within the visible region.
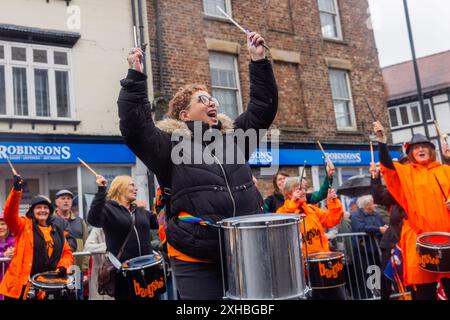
(87, 167)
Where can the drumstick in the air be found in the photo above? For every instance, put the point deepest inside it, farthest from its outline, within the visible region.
(442, 190)
(88, 167)
(11, 166)
(237, 24)
(370, 110)
(323, 151)
(441, 135)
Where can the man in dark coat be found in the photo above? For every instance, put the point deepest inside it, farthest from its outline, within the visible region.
(203, 188)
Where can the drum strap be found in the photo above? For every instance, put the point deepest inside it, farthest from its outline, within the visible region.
(128, 236)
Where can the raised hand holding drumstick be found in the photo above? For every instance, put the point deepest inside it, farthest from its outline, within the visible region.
(135, 59)
(101, 181)
(379, 132)
(255, 46)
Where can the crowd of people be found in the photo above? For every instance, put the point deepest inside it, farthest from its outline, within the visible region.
(195, 196)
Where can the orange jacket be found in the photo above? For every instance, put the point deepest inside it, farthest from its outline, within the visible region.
(20, 267)
(315, 221)
(415, 188)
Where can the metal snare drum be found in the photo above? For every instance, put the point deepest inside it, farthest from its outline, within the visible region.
(262, 257)
(433, 249)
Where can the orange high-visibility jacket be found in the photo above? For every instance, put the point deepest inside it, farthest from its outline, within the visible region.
(415, 188)
(315, 221)
(20, 268)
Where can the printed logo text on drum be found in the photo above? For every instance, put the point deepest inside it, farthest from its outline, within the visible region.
(427, 259)
(330, 272)
(148, 292)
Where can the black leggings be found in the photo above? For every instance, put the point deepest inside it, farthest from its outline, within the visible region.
(329, 294)
(198, 281)
(428, 291)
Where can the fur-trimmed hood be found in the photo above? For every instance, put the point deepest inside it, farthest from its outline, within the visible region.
(171, 125)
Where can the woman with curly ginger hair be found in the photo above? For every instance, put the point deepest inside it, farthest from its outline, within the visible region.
(200, 193)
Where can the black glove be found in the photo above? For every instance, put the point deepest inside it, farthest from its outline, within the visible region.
(62, 272)
(19, 183)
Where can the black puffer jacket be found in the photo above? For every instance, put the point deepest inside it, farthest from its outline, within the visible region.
(212, 190)
(116, 222)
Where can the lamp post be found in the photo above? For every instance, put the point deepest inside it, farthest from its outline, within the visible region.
(416, 69)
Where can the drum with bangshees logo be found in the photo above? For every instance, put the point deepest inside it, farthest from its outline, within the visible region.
(433, 249)
(146, 276)
(326, 270)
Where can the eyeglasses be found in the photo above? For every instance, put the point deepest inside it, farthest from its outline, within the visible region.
(207, 100)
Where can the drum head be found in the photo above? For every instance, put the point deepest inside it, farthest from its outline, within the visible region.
(435, 239)
(260, 220)
(324, 256)
(142, 261)
(51, 280)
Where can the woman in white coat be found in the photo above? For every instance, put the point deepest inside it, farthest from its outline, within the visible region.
(95, 243)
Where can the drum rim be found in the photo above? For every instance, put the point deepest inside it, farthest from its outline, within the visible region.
(329, 287)
(431, 246)
(299, 295)
(160, 261)
(283, 219)
(56, 286)
(337, 255)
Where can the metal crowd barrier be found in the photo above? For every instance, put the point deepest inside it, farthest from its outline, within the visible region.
(362, 261)
(364, 272)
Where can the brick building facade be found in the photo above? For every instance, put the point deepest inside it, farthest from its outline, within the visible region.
(313, 42)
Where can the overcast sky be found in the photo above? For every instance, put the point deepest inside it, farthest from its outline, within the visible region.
(430, 21)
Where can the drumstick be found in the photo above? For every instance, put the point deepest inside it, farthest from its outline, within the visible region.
(302, 175)
(88, 167)
(372, 158)
(440, 187)
(370, 109)
(237, 24)
(439, 132)
(11, 166)
(323, 151)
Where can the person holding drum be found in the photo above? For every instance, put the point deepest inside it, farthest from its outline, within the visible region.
(420, 187)
(41, 245)
(126, 227)
(201, 192)
(316, 219)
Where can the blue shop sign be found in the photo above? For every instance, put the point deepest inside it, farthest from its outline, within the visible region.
(297, 157)
(36, 152)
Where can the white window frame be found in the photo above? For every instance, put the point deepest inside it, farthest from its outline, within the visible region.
(353, 127)
(30, 65)
(409, 112)
(338, 22)
(227, 10)
(240, 108)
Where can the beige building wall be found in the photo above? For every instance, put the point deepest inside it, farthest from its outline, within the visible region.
(98, 58)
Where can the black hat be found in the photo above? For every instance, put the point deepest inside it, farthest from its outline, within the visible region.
(40, 199)
(63, 192)
(417, 139)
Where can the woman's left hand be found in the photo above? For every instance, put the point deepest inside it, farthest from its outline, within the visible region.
(255, 46)
(448, 205)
